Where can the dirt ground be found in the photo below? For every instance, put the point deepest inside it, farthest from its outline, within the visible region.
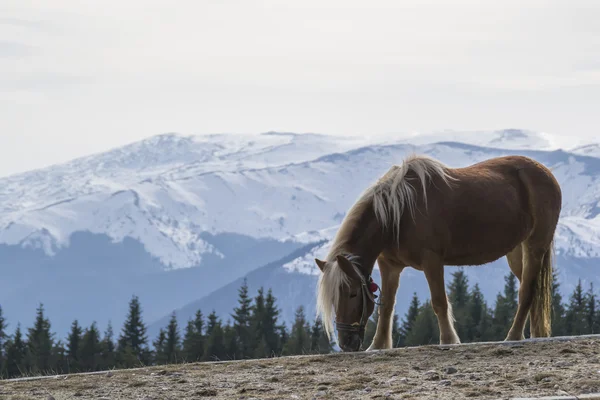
(481, 371)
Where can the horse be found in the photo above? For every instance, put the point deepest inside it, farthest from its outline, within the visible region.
(425, 215)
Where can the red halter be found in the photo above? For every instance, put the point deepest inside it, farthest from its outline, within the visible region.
(373, 287)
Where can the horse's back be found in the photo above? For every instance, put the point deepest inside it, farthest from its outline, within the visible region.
(504, 165)
(486, 212)
(536, 186)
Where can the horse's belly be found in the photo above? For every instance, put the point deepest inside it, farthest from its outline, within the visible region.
(480, 243)
(473, 259)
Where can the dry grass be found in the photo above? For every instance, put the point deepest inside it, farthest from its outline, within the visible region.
(486, 371)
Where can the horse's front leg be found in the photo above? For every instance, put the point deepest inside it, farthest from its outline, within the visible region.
(390, 279)
(433, 268)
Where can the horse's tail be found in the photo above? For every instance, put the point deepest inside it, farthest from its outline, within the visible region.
(541, 321)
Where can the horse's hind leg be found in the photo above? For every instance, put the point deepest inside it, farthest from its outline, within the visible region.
(515, 261)
(544, 197)
(434, 272)
(390, 277)
(532, 263)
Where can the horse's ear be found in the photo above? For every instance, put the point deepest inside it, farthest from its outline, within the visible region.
(321, 264)
(347, 267)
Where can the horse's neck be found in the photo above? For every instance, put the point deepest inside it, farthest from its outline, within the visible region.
(364, 241)
(366, 261)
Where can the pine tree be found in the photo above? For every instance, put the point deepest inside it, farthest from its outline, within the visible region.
(3, 337)
(459, 299)
(200, 338)
(264, 327)
(284, 336)
(160, 352)
(215, 341)
(73, 347)
(576, 318)
(60, 360)
(91, 349)
(299, 341)
(108, 348)
(409, 320)
(395, 331)
(132, 345)
(481, 317)
(172, 345)
(459, 289)
(558, 309)
(591, 311)
(271, 326)
(425, 328)
(16, 353)
(213, 320)
(320, 343)
(194, 339)
(39, 344)
(511, 292)
(261, 348)
(256, 325)
(506, 307)
(231, 341)
(241, 323)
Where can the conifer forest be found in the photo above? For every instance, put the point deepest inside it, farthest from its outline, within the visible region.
(253, 330)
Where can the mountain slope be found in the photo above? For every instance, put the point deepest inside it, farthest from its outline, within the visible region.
(158, 191)
(290, 289)
(94, 278)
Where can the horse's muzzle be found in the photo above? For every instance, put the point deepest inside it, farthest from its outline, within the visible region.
(349, 341)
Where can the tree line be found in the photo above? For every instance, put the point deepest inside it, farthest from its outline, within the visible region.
(255, 331)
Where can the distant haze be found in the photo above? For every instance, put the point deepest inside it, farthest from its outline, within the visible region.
(81, 77)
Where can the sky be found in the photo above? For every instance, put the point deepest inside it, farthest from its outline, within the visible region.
(82, 76)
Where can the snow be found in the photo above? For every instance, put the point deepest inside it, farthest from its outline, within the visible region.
(591, 150)
(165, 191)
(504, 139)
(306, 264)
(578, 237)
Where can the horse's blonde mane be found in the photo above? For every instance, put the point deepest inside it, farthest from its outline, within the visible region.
(328, 294)
(390, 196)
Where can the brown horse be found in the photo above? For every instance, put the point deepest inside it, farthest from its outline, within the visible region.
(426, 215)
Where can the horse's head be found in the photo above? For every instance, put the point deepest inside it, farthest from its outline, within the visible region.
(345, 291)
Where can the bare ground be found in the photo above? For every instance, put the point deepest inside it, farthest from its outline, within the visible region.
(482, 371)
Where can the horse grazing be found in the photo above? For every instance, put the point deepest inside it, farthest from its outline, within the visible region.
(426, 215)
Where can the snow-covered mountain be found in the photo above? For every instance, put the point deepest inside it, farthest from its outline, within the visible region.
(163, 192)
(162, 215)
(592, 150)
(167, 190)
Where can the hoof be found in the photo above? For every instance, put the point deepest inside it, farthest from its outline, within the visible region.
(451, 340)
(514, 338)
(379, 348)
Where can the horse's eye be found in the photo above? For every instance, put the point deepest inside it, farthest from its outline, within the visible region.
(353, 295)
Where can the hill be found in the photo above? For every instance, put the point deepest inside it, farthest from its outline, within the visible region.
(507, 370)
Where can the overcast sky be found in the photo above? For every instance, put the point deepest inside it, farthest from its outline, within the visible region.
(82, 76)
